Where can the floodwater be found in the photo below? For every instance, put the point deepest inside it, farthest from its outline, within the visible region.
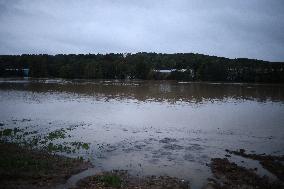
(150, 127)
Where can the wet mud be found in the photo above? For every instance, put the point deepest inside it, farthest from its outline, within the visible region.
(228, 175)
(121, 179)
(25, 168)
(274, 164)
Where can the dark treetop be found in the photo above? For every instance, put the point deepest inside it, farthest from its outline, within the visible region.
(180, 66)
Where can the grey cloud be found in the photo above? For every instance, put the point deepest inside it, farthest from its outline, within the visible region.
(229, 28)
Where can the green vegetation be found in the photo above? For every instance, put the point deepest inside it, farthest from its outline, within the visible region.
(60, 133)
(25, 168)
(188, 66)
(6, 132)
(85, 146)
(79, 145)
(122, 179)
(51, 142)
(110, 180)
(9, 132)
(58, 148)
(67, 147)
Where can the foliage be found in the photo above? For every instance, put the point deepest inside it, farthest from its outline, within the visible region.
(142, 66)
(110, 181)
(60, 133)
(6, 132)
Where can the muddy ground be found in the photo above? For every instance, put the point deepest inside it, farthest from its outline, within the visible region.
(274, 164)
(21, 167)
(228, 175)
(25, 168)
(121, 179)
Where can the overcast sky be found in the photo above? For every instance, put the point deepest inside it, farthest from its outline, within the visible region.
(230, 28)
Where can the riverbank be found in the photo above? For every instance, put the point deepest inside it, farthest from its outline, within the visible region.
(26, 168)
(229, 175)
(23, 167)
(121, 179)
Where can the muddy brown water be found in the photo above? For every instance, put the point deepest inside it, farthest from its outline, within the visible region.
(151, 127)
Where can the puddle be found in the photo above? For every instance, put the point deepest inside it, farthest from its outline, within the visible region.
(71, 182)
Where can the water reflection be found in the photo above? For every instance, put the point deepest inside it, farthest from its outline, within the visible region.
(169, 91)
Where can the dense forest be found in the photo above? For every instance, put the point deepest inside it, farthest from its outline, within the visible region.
(180, 66)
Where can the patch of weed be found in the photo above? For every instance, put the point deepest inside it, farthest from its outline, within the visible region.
(110, 180)
(60, 133)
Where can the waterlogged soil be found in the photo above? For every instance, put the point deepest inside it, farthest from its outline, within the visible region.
(121, 179)
(225, 175)
(274, 164)
(54, 140)
(22, 166)
(229, 175)
(26, 168)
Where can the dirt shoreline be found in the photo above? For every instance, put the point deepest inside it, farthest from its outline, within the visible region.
(121, 179)
(229, 175)
(24, 168)
(273, 164)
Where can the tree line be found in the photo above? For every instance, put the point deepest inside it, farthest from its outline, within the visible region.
(184, 66)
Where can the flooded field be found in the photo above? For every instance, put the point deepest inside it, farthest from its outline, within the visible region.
(146, 127)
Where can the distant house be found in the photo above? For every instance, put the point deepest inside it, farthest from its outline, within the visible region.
(167, 72)
(17, 72)
(171, 70)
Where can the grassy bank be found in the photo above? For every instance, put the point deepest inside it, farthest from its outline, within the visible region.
(22, 167)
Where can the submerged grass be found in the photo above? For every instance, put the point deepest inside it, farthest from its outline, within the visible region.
(58, 148)
(51, 141)
(110, 180)
(57, 134)
(9, 132)
(6, 132)
(79, 145)
(22, 166)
